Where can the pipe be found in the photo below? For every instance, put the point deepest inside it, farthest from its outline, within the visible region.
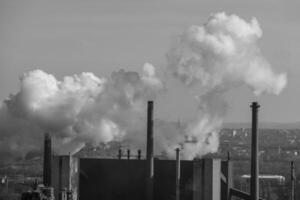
(70, 172)
(149, 154)
(36, 184)
(293, 177)
(60, 178)
(228, 178)
(128, 154)
(254, 185)
(120, 154)
(139, 154)
(47, 160)
(177, 174)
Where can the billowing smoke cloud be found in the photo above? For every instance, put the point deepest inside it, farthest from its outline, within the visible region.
(79, 109)
(209, 60)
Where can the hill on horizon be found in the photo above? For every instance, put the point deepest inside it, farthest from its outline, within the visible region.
(264, 125)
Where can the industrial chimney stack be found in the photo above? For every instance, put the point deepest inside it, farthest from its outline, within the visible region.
(254, 188)
(149, 156)
(47, 160)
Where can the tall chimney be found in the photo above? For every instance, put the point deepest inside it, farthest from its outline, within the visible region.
(293, 179)
(47, 160)
(254, 187)
(177, 174)
(149, 157)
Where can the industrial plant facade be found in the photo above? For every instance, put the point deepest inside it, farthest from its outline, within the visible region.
(116, 179)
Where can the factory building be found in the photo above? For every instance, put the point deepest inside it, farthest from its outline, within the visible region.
(74, 178)
(135, 179)
(113, 179)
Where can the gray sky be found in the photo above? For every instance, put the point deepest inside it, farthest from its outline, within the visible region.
(67, 37)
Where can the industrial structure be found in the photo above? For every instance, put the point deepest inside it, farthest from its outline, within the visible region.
(150, 178)
(74, 178)
(45, 191)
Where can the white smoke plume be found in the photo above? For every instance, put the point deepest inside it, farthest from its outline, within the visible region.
(213, 58)
(209, 60)
(79, 109)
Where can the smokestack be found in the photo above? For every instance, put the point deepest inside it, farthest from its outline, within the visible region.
(293, 178)
(47, 160)
(149, 157)
(177, 174)
(254, 187)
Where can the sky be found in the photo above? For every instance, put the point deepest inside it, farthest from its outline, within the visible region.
(68, 37)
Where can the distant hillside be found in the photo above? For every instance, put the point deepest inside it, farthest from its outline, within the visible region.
(234, 125)
(263, 125)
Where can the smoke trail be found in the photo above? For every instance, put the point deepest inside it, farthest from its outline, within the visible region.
(213, 58)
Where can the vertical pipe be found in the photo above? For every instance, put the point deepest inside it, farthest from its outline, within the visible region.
(47, 160)
(128, 154)
(177, 174)
(139, 154)
(228, 178)
(35, 186)
(70, 177)
(228, 156)
(120, 154)
(70, 191)
(60, 178)
(149, 160)
(293, 177)
(254, 185)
